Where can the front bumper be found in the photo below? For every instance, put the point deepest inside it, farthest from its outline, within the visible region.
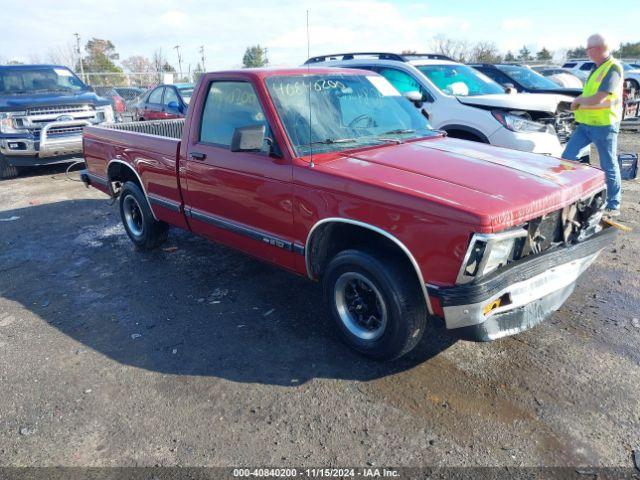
(20, 151)
(535, 142)
(528, 290)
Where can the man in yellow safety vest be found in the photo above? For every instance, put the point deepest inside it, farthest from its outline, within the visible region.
(598, 112)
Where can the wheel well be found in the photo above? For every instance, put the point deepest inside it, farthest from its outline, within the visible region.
(118, 174)
(331, 238)
(465, 135)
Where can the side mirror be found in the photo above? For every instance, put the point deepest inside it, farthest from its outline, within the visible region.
(173, 105)
(510, 88)
(415, 97)
(248, 139)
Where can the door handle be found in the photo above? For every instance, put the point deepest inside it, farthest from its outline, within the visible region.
(197, 156)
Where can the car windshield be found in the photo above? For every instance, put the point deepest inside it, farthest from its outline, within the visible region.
(39, 79)
(460, 80)
(185, 93)
(527, 77)
(346, 112)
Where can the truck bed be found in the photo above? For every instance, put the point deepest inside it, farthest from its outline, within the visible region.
(157, 128)
(148, 151)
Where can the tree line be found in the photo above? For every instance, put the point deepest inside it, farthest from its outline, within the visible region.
(102, 65)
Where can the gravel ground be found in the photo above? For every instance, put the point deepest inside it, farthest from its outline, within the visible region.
(197, 355)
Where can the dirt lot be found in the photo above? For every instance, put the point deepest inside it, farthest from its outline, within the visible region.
(201, 356)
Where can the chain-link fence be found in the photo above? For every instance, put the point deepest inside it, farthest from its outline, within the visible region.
(135, 79)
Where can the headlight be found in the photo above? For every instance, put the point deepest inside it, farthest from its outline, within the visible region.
(518, 123)
(487, 253)
(8, 122)
(107, 113)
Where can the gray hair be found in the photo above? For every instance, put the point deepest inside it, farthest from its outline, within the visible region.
(597, 40)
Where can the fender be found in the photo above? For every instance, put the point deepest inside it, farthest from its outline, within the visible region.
(402, 246)
(144, 190)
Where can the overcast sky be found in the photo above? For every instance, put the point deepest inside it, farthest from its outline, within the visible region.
(33, 28)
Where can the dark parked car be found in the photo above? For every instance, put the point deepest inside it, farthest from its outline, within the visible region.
(117, 102)
(523, 79)
(164, 101)
(129, 93)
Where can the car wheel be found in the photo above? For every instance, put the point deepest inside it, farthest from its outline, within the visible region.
(143, 230)
(6, 170)
(375, 303)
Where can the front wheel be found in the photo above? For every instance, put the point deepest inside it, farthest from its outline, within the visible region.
(375, 302)
(143, 230)
(6, 170)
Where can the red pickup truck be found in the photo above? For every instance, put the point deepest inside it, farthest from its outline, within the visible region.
(332, 174)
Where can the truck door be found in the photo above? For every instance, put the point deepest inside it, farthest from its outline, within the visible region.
(242, 199)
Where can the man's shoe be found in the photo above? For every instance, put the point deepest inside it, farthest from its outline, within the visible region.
(611, 212)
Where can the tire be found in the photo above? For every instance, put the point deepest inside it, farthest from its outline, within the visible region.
(6, 170)
(399, 316)
(144, 231)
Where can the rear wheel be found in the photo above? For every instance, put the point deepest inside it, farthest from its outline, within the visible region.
(143, 230)
(6, 170)
(375, 302)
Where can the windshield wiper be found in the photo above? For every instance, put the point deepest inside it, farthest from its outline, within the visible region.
(398, 131)
(331, 141)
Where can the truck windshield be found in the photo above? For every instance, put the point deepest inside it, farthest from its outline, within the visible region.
(460, 80)
(15, 81)
(346, 112)
(527, 77)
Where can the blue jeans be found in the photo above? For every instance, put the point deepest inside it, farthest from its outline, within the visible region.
(606, 141)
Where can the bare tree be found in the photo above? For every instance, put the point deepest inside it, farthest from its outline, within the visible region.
(142, 70)
(456, 49)
(485, 52)
(64, 54)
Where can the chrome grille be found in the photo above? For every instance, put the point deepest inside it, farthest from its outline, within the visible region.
(60, 109)
(64, 130)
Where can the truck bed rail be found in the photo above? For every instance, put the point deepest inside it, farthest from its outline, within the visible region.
(159, 128)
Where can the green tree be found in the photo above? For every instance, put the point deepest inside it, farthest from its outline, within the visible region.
(509, 57)
(255, 56)
(99, 63)
(544, 55)
(524, 55)
(628, 50)
(578, 52)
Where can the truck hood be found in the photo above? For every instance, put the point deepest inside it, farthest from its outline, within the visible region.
(520, 101)
(498, 187)
(26, 101)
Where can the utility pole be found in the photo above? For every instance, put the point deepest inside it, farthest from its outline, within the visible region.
(201, 50)
(79, 52)
(177, 49)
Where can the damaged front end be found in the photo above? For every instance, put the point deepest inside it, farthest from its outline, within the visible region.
(513, 280)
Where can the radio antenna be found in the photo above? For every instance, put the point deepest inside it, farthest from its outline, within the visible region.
(311, 164)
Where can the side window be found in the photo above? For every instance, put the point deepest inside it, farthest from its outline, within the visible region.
(569, 65)
(403, 82)
(496, 75)
(156, 95)
(229, 105)
(170, 95)
(587, 66)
